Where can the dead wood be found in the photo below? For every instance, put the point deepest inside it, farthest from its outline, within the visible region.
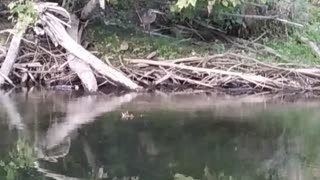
(256, 79)
(11, 56)
(55, 29)
(88, 9)
(228, 71)
(81, 68)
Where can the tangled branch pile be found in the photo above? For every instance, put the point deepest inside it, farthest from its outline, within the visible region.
(39, 61)
(229, 71)
(62, 30)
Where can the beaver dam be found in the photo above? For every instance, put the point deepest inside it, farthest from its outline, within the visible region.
(52, 54)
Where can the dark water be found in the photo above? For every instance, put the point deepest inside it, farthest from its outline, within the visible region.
(47, 135)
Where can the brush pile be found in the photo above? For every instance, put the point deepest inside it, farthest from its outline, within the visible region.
(232, 72)
(64, 31)
(40, 62)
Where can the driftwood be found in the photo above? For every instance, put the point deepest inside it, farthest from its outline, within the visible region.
(275, 18)
(88, 9)
(252, 78)
(55, 29)
(11, 56)
(229, 71)
(81, 68)
(82, 62)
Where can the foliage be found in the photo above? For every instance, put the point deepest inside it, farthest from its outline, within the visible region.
(114, 42)
(207, 175)
(182, 177)
(24, 13)
(182, 4)
(21, 159)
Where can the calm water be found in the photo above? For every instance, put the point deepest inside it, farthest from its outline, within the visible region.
(47, 135)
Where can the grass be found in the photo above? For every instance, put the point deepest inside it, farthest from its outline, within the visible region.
(112, 42)
(295, 51)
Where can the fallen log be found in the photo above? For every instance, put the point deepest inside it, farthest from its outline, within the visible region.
(88, 9)
(54, 27)
(11, 56)
(81, 68)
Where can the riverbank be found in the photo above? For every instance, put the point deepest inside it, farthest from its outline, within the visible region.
(159, 62)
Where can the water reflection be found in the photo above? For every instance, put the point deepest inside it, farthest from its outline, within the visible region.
(169, 137)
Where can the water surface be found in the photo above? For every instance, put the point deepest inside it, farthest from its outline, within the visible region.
(55, 135)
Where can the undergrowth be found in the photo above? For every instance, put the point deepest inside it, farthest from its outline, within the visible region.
(111, 42)
(120, 42)
(292, 49)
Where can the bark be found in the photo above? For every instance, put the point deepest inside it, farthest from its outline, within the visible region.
(88, 9)
(60, 35)
(11, 56)
(81, 68)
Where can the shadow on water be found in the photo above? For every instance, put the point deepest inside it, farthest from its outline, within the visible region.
(54, 135)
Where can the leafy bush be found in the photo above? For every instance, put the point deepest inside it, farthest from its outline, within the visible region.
(24, 13)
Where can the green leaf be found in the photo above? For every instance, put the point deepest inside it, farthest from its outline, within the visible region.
(124, 46)
(183, 177)
(181, 4)
(225, 3)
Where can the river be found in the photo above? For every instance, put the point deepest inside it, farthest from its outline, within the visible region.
(68, 136)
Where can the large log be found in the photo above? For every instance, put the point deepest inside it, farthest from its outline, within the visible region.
(11, 56)
(81, 68)
(54, 27)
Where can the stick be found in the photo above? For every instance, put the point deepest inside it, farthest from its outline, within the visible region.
(61, 36)
(88, 9)
(256, 79)
(265, 18)
(11, 55)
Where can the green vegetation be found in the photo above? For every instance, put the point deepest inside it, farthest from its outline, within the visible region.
(115, 42)
(111, 41)
(19, 163)
(226, 15)
(24, 13)
(292, 49)
(207, 175)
